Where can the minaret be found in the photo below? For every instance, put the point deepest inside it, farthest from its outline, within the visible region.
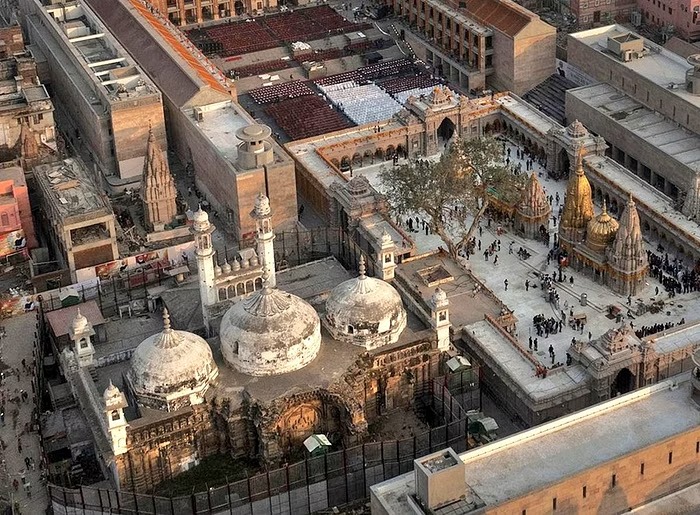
(691, 206)
(158, 187)
(440, 318)
(578, 206)
(533, 209)
(81, 333)
(627, 257)
(386, 256)
(204, 251)
(265, 236)
(116, 423)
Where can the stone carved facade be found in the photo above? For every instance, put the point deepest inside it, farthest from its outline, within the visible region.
(533, 210)
(613, 253)
(158, 187)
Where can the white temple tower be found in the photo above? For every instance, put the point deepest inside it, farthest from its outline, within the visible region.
(387, 266)
(265, 236)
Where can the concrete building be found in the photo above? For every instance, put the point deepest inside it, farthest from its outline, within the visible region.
(680, 17)
(202, 119)
(646, 106)
(76, 216)
(591, 13)
(187, 13)
(27, 131)
(473, 44)
(646, 448)
(105, 96)
(17, 232)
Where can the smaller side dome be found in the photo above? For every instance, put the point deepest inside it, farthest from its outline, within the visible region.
(262, 206)
(80, 323)
(439, 298)
(365, 311)
(200, 219)
(601, 231)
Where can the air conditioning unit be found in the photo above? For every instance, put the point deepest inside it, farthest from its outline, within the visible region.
(198, 114)
(627, 56)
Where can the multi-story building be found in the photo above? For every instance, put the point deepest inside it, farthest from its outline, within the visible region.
(106, 98)
(76, 216)
(680, 17)
(233, 158)
(16, 222)
(610, 458)
(591, 13)
(474, 43)
(646, 106)
(26, 120)
(196, 11)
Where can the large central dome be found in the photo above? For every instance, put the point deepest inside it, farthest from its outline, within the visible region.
(365, 311)
(171, 369)
(271, 332)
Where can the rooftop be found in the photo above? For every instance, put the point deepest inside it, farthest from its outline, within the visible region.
(60, 320)
(660, 66)
(648, 125)
(99, 54)
(219, 122)
(503, 470)
(66, 187)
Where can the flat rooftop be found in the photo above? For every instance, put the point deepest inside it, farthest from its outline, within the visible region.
(67, 188)
(219, 123)
(665, 135)
(659, 66)
(99, 53)
(503, 470)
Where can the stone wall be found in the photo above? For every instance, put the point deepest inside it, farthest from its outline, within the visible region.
(639, 477)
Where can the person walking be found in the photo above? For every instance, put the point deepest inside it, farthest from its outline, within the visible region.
(505, 283)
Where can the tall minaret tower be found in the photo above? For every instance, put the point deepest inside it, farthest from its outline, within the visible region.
(265, 236)
(386, 256)
(440, 318)
(204, 251)
(81, 333)
(116, 423)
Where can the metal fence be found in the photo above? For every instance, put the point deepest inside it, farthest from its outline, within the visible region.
(317, 483)
(292, 248)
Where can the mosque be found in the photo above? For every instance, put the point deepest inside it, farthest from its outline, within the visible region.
(282, 368)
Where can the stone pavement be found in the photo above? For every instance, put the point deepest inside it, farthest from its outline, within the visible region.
(18, 344)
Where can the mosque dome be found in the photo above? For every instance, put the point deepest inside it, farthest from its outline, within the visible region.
(576, 130)
(271, 332)
(200, 220)
(365, 311)
(601, 231)
(171, 369)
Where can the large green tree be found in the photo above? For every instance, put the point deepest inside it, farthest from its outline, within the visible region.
(466, 174)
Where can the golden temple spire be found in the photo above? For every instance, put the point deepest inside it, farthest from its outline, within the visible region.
(578, 206)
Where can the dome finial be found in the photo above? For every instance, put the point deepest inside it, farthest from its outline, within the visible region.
(266, 280)
(361, 268)
(166, 320)
(605, 206)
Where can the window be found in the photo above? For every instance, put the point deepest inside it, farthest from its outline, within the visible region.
(115, 415)
(614, 480)
(442, 316)
(4, 219)
(554, 504)
(641, 469)
(584, 492)
(670, 457)
(37, 118)
(670, 10)
(387, 258)
(697, 447)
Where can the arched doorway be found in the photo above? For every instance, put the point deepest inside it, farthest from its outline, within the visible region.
(239, 7)
(623, 383)
(446, 130)
(564, 163)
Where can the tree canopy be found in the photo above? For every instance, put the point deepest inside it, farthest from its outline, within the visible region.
(463, 176)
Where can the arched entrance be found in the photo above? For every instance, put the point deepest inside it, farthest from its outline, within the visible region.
(446, 130)
(564, 163)
(623, 383)
(239, 7)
